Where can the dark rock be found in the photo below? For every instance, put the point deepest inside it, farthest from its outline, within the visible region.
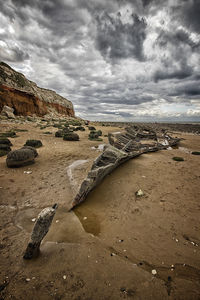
(21, 157)
(8, 134)
(196, 152)
(5, 141)
(91, 128)
(70, 137)
(59, 133)
(177, 158)
(33, 143)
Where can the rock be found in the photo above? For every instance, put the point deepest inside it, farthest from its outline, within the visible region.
(91, 128)
(4, 149)
(153, 272)
(21, 157)
(40, 229)
(8, 112)
(5, 141)
(177, 158)
(70, 137)
(33, 143)
(196, 152)
(139, 193)
(32, 149)
(59, 133)
(8, 134)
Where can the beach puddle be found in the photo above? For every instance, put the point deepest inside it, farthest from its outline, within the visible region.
(88, 219)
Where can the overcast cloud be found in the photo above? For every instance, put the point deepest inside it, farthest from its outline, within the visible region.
(115, 60)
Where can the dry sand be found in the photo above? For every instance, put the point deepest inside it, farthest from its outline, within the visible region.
(108, 246)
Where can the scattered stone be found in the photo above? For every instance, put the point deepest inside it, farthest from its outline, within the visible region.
(20, 157)
(28, 279)
(27, 172)
(8, 112)
(177, 158)
(4, 149)
(112, 254)
(196, 152)
(64, 277)
(33, 143)
(33, 220)
(11, 134)
(85, 218)
(91, 128)
(71, 137)
(81, 128)
(154, 272)
(139, 193)
(5, 141)
(40, 229)
(59, 133)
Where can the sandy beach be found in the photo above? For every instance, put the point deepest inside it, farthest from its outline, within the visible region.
(112, 246)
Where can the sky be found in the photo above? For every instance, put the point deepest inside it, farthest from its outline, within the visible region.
(116, 60)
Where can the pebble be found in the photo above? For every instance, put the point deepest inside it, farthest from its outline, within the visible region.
(64, 277)
(154, 272)
(85, 218)
(33, 220)
(139, 193)
(57, 221)
(112, 254)
(27, 172)
(176, 240)
(27, 279)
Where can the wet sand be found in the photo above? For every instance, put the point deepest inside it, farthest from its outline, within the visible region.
(108, 246)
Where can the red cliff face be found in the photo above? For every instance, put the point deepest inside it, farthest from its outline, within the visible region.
(27, 98)
(28, 104)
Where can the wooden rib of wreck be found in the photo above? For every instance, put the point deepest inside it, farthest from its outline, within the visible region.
(134, 141)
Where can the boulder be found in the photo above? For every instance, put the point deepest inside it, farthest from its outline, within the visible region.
(5, 141)
(8, 112)
(33, 143)
(4, 149)
(21, 157)
(71, 136)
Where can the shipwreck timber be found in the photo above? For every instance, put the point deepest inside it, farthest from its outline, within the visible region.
(134, 141)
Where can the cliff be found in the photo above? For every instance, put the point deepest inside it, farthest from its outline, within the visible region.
(26, 98)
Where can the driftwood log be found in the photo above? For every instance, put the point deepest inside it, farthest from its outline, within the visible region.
(132, 142)
(40, 229)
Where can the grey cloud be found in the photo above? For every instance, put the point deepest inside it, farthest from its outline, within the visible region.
(116, 40)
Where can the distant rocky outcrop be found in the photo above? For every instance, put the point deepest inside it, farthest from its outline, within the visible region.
(26, 98)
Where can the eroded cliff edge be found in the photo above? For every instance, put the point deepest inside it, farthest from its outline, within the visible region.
(26, 98)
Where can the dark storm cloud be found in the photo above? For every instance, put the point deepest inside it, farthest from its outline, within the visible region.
(188, 13)
(189, 89)
(116, 40)
(182, 72)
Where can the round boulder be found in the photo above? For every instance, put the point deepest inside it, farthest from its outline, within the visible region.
(21, 157)
(71, 137)
(33, 143)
